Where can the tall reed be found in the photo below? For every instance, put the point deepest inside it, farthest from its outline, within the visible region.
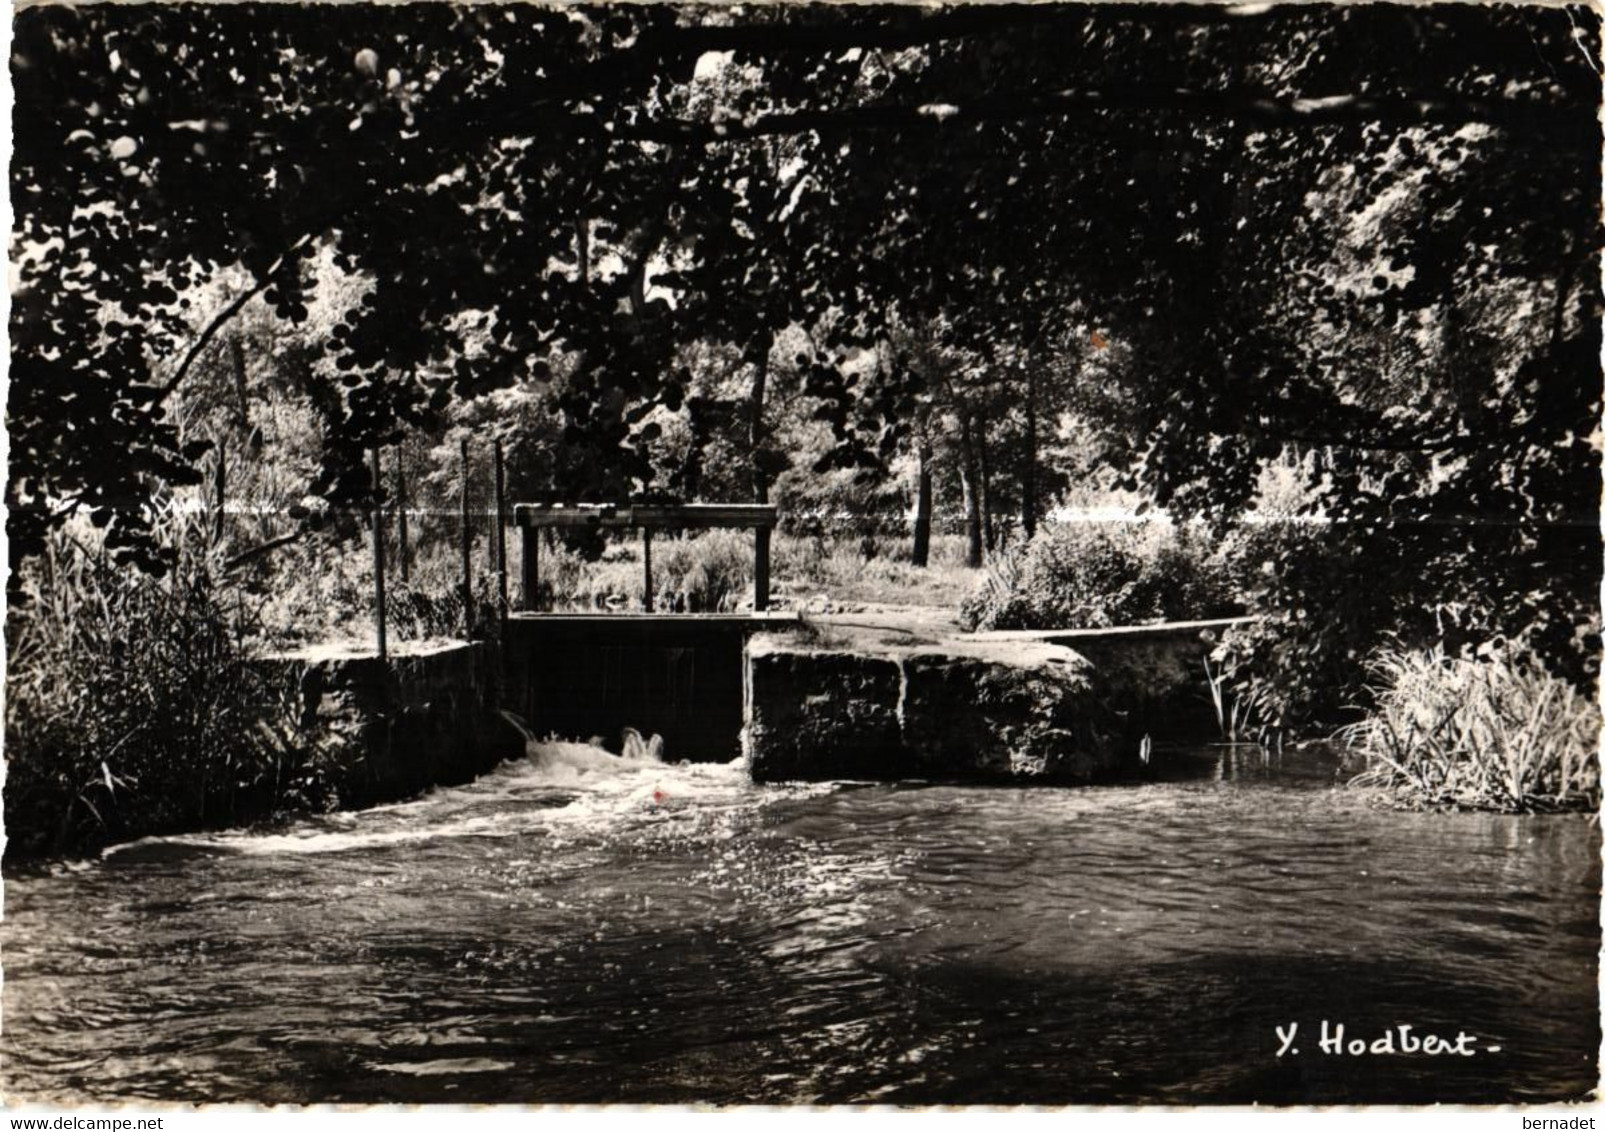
(1498, 733)
(133, 704)
(1240, 711)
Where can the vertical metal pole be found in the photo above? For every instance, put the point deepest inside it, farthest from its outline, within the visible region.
(222, 493)
(379, 557)
(760, 570)
(646, 559)
(501, 529)
(468, 551)
(401, 518)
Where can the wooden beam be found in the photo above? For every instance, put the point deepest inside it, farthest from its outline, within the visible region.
(531, 567)
(760, 570)
(646, 559)
(704, 516)
(686, 516)
(536, 515)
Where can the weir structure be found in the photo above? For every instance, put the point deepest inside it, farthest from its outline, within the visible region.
(678, 675)
(843, 699)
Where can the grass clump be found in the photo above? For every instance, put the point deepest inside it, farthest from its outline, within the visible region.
(871, 569)
(1495, 732)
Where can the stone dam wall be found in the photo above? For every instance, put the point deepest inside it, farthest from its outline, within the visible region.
(993, 707)
(804, 701)
(1152, 677)
(972, 712)
(427, 716)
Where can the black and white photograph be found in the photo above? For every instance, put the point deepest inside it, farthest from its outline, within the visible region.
(803, 554)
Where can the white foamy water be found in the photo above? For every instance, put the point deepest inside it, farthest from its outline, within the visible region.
(562, 787)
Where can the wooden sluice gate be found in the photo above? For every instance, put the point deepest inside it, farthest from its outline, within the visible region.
(678, 675)
(681, 676)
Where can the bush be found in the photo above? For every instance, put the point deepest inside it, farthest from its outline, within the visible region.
(429, 605)
(712, 572)
(1333, 596)
(317, 590)
(1334, 591)
(1303, 663)
(840, 505)
(1094, 575)
(1498, 732)
(709, 573)
(133, 705)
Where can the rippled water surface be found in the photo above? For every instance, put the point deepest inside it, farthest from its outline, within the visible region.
(577, 927)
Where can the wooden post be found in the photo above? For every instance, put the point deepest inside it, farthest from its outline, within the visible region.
(760, 570)
(401, 519)
(468, 551)
(379, 557)
(531, 566)
(501, 530)
(646, 559)
(222, 493)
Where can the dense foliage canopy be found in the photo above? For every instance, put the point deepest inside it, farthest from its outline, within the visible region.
(1218, 234)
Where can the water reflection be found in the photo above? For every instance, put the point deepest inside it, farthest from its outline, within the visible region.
(583, 928)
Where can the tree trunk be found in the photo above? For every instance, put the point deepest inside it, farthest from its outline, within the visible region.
(379, 616)
(404, 540)
(220, 500)
(1563, 292)
(984, 484)
(755, 435)
(692, 481)
(237, 352)
(972, 495)
(1028, 475)
(922, 508)
(466, 523)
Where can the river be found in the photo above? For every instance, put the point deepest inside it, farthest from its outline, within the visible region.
(576, 927)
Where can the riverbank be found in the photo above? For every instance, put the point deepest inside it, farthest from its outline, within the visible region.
(157, 741)
(867, 691)
(333, 728)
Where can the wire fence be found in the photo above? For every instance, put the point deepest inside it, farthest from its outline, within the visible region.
(432, 560)
(439, 548)
(439, 557)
